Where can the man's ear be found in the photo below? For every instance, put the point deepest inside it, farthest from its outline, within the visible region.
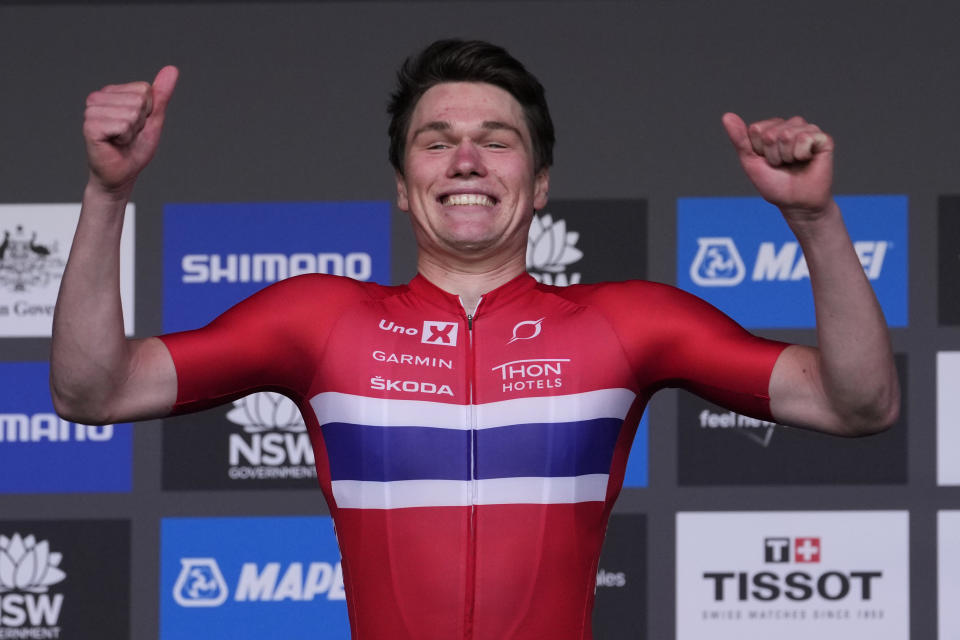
(541, 189)
(403, 202)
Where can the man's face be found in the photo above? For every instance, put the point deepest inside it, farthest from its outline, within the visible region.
(469, 182)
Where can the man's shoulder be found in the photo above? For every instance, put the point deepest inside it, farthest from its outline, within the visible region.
(329, 289)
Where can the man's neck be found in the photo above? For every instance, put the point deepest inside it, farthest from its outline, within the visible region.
(470, 285)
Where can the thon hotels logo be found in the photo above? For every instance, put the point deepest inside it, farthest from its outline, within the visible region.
(574, 241)
(793, 575)
(35, 243)
(739, 255)
(716, 446)
(64, 579)
(218, 254)
(237, 577)
(42, 453)
(260, 441)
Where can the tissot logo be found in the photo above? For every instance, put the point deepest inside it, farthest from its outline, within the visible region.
(35, 240)
(777, 550)
(579, 241)
(526, 330)
(736, 580)
(762, 261)
(442, 333)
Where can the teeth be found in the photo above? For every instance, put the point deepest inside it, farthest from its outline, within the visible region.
(469, 199)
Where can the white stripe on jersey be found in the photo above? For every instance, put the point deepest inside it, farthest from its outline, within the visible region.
(381, 412)
(399, 494)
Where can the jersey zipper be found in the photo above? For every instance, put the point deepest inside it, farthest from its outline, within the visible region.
(471, 590)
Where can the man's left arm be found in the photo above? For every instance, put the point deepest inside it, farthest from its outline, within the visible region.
(848, 385)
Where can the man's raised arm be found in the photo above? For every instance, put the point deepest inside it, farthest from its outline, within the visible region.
(847, 386)
(96, 374)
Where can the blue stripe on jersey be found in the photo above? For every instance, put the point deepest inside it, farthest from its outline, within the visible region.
(384, 454)
(547, 450)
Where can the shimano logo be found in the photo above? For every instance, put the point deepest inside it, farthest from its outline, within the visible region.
(49, 427)
(718, 262)
(271, 267)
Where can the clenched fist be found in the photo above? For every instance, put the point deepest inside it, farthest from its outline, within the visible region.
(122, 126)
(790, 162)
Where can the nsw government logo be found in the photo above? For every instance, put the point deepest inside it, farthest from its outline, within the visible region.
(267, 446)
(35, 241)
(28, 570)
(587, 241)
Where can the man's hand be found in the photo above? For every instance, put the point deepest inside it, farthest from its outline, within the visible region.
(122, 126)
(790, 162)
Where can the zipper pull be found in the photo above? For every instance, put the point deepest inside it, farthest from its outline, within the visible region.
(469, 322)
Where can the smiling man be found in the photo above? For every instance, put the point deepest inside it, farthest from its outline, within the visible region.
(472, 427)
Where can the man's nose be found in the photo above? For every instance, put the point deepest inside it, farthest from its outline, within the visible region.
(466, 161)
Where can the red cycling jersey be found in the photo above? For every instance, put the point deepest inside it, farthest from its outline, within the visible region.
(470, 463)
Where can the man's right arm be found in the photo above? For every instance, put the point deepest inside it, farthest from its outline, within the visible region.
(97, 375)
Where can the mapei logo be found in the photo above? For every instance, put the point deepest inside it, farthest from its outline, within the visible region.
(739, 255)
(718, 263)
(551, 249)
(28, 568)
(200, 583)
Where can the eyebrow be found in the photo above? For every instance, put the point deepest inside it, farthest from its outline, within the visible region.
(489, 125)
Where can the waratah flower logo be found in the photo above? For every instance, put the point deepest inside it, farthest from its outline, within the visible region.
(26, 565)
(550, 247)
(266, 410)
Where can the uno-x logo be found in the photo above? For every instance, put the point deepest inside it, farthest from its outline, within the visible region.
(444, 333)
(777, 550)
(526, 330)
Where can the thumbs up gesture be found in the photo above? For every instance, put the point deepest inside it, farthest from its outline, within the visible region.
(790, 162)
(122, 125)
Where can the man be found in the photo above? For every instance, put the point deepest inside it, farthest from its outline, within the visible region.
(471, 428)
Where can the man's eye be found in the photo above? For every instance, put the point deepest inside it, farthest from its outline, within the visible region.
(436, 145)
(496, 145)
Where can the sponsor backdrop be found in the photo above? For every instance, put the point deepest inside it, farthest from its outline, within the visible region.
(273, 163)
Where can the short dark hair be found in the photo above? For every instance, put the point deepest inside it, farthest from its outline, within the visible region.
(468, 61)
